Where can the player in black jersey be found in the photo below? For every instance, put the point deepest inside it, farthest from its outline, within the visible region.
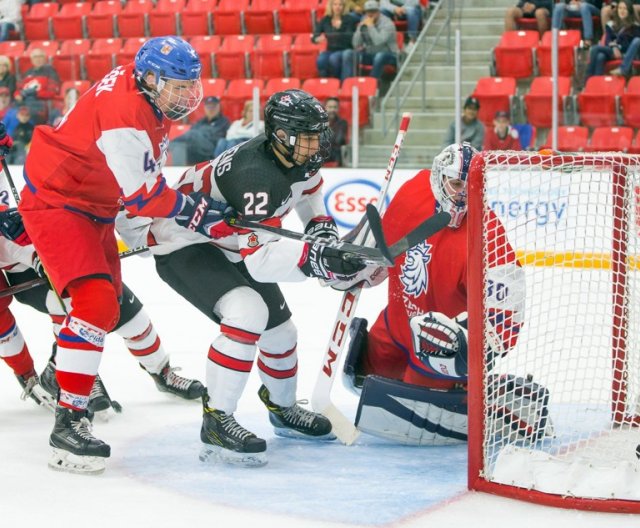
(231, 275)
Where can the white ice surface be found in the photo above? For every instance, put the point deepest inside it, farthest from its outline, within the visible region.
(154, 477)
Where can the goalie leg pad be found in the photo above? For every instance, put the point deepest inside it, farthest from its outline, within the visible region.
(411, 414)
(518, 408)
(353, 371)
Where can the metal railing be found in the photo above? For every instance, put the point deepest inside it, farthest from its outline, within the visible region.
(443, 31)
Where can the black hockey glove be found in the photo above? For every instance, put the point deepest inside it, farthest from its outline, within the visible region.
(327, 263)
(5, 141)
(322, 226)
(201, 213)
(12, 228)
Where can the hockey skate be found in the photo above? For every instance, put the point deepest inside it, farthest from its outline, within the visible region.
(33, 389)
(353, 372)
(296, 422)
(226, 440)
(75, 449)
(168, 381)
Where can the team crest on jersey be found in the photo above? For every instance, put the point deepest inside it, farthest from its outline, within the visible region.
(413, 273)
(252, 240)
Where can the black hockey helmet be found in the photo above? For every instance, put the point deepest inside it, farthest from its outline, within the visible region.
(295, 112)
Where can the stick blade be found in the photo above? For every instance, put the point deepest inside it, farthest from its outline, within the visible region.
(341, 426)
(375, 224)
(429, 227)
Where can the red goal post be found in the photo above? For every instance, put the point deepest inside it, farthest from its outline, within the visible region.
(573, 221)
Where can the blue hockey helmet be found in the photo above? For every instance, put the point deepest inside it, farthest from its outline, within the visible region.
(176, 70)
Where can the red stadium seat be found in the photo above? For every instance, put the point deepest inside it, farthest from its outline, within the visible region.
(570, 138)
(279, 85)
(37, 22)
(68, 23)
(303, 40)
(635, 146)
(227, 18)
(101, 58)
(260, 18)
(322, 87)
(239, 91)
(568, 42)
(231, 59)
(81, 86)
(630, 103)
(206, 46)
(50, 47)
(599, 100)
(302, 62)
(163, 20)
(132, 22)
(295, 18)
(129, 50)
(494, 94)
(513, 56)
(12, 49)
(610, 139)
(367, 90)
(537, 102)
(210, 88)
(101, 22)
(269, 58)
(195, 19)
(274, 42)
(68, 61)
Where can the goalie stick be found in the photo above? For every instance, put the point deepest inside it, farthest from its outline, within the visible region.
(321, 402)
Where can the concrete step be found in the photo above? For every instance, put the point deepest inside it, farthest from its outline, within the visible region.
(416, 136)
(468, 72)
(427, 121)
(436, 88)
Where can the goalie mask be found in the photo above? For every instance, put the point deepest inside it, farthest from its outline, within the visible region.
(176, 68)
(449, 174)
(298, 127)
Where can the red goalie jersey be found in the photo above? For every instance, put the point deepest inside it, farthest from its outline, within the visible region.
(432, 277)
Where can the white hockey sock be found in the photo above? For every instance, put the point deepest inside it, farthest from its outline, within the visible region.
(144, 343)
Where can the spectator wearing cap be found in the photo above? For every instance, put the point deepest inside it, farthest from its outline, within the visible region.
(502, 136)
(471, 129)
(200, 141)
(375, 40)
(540, 10)
(21, 135)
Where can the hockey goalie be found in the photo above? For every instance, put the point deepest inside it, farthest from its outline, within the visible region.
(410, 368)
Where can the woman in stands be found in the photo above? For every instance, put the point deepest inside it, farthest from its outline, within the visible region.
(336, 29)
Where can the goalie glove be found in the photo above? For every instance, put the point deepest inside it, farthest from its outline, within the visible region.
(440, 343)
(204, 215)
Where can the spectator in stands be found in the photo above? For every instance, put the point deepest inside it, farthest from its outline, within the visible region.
(21, 136)
(502, 136)
(70, 99)
(5, 101)
(538, 9)
(336, 28)
(339, 129)
(7, 79)
(10, 17)
(409, 10)
(40, 84)
(607, 11)
(619, 35)
(201, 140)
(240, 130)
(585, 9)
(375, 40)
(471, 129)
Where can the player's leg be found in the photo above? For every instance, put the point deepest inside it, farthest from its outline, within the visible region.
(81, 258)
(278, 368)
(142, 340)
(205, 278)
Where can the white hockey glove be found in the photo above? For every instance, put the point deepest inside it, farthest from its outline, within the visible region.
(441, 342)
(369, 277)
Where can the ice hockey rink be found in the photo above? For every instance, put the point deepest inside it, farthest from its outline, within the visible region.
(154, 477)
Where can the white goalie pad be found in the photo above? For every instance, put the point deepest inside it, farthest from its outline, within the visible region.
(410, 414)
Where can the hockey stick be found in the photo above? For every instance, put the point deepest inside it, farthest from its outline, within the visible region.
(321, 402)
(427, 228)
(363, 254)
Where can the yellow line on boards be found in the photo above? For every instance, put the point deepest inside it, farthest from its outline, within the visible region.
(572, 259)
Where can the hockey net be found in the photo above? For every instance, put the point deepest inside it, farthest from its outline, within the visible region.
(573, 221)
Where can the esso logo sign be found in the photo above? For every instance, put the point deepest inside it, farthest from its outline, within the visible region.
(348, 200)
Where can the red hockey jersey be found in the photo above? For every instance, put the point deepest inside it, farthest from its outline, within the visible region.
(432, 276)
(107, 151)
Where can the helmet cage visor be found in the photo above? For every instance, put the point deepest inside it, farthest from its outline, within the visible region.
(177, 98)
